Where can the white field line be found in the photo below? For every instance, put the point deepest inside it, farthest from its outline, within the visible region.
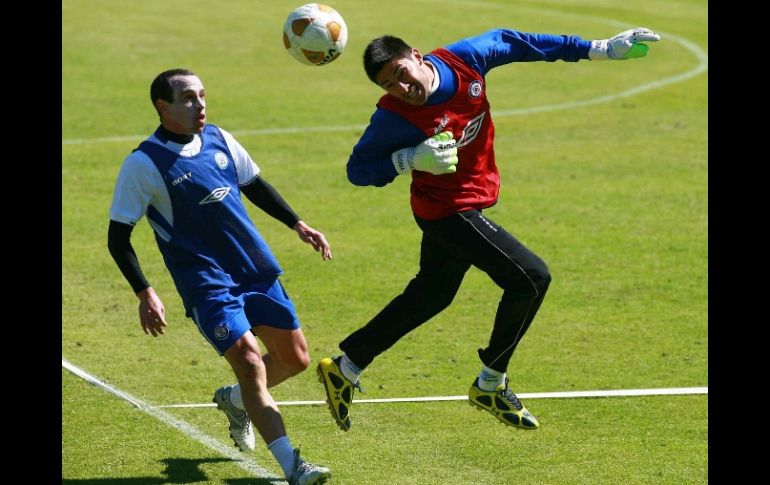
(677, 391)
(699, 54)
(239, 458)
(666, 391)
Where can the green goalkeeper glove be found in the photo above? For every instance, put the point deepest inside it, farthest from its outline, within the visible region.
(625, 45)
(437, 155)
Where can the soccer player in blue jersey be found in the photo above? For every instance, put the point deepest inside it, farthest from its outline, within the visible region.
(188, 178)
(434, 125)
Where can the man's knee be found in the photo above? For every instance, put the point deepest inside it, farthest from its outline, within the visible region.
(542, 279)
(247, 365)
(531, 283)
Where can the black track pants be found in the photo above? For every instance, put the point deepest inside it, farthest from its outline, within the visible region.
(449, 247)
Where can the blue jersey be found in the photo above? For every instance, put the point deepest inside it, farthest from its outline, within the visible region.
(212, 245)
(370, 162)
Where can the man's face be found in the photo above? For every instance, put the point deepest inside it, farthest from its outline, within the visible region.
(407, 78)
(186, 115)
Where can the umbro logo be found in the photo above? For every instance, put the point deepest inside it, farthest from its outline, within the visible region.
(471, 130)
(216, 195)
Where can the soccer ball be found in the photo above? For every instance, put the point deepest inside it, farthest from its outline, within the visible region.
(315, 34)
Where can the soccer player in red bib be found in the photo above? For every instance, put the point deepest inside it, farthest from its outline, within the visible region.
(434, 124)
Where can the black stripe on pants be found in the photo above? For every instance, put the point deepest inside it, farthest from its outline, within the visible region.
(449, 247)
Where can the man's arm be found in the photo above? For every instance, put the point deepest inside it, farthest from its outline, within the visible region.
(119, 244)
(504, 46)
(371, 163)
(152, 313)
(264, 196)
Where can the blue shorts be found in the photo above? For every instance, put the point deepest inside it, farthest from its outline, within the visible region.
(224, 318)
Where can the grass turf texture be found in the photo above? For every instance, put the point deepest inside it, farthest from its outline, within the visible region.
(613, 196)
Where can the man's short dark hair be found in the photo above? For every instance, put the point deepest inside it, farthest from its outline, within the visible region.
(380, 51)
(161, 86)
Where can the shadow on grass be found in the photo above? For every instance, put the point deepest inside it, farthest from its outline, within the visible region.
(178, 470)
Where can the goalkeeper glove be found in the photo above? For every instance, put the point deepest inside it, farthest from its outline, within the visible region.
(437, 155)
(625, 45)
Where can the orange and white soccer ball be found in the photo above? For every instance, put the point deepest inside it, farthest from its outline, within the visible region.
(315, 34)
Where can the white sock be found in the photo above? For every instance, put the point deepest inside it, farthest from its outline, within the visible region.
(489, 379)
(349, 369)
(284, 454)
(235, 397)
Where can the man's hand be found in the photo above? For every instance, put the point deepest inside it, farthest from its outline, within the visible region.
(152, 313)
(625, 45)
(437, 155)
(314, 238)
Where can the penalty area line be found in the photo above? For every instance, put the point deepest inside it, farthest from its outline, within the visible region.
(670, 391)
(240, 459)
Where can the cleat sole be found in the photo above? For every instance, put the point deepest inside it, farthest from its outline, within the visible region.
(329, 402)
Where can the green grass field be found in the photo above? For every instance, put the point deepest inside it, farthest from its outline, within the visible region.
(605, 176)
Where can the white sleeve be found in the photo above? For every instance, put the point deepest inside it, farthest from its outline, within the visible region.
(246, 167)
(139, 184)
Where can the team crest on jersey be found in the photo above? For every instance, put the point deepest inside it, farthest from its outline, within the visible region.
(221, 332)
(474, 90)
(221, 160)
